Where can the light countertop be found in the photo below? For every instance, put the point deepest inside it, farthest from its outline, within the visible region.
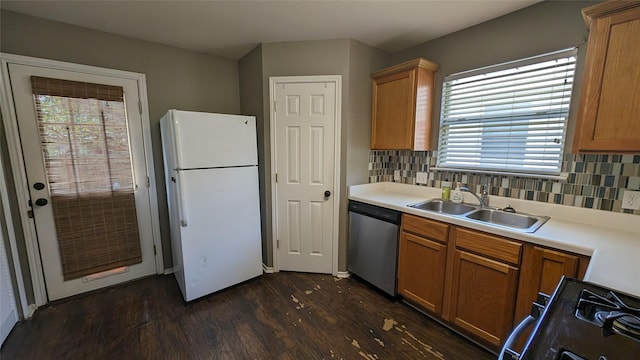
(611, 239)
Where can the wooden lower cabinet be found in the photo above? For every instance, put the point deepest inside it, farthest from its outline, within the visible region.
(544, 269)
(421, 271)
(482, 296)
(422, 262)
(481, 284)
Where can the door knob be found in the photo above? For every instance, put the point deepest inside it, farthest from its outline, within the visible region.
(38, 186)
(327, 193)
(41, 202)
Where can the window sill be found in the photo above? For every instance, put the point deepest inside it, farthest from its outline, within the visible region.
(561, 177)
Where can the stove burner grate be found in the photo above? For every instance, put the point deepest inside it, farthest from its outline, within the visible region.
(628, 324)
(609, 313)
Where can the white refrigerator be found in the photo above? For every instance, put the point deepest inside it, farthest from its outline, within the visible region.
(211, 169)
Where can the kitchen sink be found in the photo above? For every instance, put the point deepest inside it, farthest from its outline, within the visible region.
(445, 207)
(524, 222)
(484, 215)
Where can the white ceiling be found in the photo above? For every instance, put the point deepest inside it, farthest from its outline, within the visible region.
(230, 29)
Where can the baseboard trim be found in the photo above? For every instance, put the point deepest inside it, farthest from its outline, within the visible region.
(32, 310)
(343, 274)
(169, 271)
(267, 269)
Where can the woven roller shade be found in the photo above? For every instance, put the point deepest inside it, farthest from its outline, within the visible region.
(96, 232)
(75, 89)
(84, 139)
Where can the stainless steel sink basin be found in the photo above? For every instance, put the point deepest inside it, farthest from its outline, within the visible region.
(523, 222)
(445, 207)
(484, 215)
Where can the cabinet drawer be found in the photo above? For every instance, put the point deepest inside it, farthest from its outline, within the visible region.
(431, 229)
(488, 245)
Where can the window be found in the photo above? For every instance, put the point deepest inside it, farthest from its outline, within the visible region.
(87, 156)
(508, 118)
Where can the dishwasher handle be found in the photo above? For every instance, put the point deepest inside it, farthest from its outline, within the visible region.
(377, 212)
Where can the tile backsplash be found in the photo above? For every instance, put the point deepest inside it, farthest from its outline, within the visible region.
(594, 181)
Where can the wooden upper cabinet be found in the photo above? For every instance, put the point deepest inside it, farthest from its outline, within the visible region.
(609, 112)
(402, 106)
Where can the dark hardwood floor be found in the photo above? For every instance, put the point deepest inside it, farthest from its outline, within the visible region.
(276, 316)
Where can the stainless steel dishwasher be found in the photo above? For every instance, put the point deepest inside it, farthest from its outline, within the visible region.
(373, 244)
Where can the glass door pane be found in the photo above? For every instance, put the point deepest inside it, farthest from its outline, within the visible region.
(85, 144)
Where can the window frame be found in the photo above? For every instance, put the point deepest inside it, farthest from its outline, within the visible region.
(446, 121)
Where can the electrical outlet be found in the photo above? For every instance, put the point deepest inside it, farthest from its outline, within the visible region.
(631, 200)
(396, 175)
(421, 178)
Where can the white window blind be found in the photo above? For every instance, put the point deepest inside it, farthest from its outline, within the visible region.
(510, 117)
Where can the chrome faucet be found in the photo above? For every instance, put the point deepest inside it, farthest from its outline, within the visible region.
(483, 198)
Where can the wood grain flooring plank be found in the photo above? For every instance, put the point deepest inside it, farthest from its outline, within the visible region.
(288, 316)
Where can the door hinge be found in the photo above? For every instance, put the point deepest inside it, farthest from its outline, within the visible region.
(148, 182)
(275, 106)
(276, 178)
(30, 214)
(140, 107)
(154, 250)
(277, 244)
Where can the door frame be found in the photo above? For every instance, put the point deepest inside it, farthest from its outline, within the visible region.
(12, 254)
(281, 80)
(18, 165)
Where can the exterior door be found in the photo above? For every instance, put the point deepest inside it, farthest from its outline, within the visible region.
(304, 117)
(82, 142)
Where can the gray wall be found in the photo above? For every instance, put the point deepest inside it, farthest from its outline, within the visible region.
(191, 81)
(363, 60)
(251, 103)
(356, 140)
(541, 28)
(176, 78)
(354, 61)
(325, 57)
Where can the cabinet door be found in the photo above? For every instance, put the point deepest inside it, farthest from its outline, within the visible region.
(392, 117)
(483, 296)
(421, 270)
(608, 115)
(542, 270)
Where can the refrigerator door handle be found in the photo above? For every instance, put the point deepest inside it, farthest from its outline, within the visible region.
(182, 212)
(178, 142)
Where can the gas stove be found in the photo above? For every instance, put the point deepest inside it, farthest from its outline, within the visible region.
(581, 321)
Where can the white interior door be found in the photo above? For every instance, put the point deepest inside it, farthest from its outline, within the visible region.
(305, 120)
(38, 159)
